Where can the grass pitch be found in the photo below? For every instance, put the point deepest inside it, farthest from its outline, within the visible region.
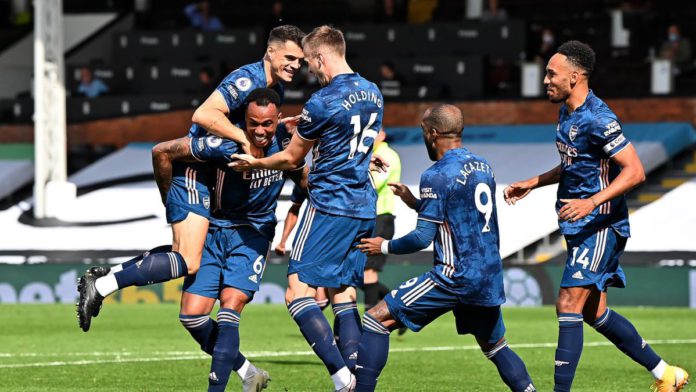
(143, 348)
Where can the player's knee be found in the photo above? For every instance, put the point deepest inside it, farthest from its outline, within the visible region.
(193, 267)
(235, 299)
(289, 296)
(567, 303)
(489, 349)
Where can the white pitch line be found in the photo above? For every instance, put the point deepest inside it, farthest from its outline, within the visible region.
(190, 355)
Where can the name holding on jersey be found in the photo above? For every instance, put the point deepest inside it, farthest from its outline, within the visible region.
(471, 167)
(262, 177)
(566, 152)
(359, 96)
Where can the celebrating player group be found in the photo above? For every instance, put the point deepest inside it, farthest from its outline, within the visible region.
(221, 182)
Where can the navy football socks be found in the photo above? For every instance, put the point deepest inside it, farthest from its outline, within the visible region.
(624, 335)
(202, 328)
(226, 350)
(510, 367)
(568, 351)
(372, 354)
(159, 249)
(348, 329)
(154, 268)
(316, 330)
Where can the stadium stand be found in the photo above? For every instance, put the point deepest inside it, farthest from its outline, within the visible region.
(674, 217)
(150, 58)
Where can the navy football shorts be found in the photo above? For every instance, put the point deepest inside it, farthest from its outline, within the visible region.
(593, 259)
(188, 192)
(420, 300)
(232, 257)
(324, 250)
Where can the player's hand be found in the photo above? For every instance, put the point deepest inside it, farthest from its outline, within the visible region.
(516, 191)
(378, 164)
(404, 193)
(371, 246)
(241, 162)
(291, 123)
(280, 249)
(251, 149)
(575, 209)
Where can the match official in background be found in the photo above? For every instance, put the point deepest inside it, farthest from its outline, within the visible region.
(384, 226)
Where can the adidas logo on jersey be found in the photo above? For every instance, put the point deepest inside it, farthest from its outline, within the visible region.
(393, 293)
(254, 278)
(353, 355)
(561, 363)
(578, 275)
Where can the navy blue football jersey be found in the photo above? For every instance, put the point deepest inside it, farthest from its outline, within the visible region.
(458, 193)
(586, 140)
(235, 88)
(242, 198)
(343, 118)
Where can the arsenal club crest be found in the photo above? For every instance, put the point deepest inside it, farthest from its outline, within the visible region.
(573, 132)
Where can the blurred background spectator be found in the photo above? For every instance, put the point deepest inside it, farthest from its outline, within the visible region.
(547, 47)
(90, 86)
(677, 49)
(201, 17)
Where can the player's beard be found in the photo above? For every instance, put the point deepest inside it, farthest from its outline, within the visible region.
(559, 97)
(431, 149)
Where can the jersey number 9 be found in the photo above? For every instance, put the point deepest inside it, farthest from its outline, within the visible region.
(485, 208)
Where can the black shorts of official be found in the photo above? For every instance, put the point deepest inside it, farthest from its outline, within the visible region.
(384, 227)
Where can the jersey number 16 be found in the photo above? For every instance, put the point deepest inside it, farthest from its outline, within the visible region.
(360, 134)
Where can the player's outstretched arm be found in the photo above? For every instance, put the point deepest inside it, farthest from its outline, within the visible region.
(632, 174)
(212, 115)
(518, 190)
(288, 159)
(163, 154)
(405, 194)
(418, 239)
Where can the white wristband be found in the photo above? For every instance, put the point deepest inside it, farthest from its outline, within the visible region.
(385, 247)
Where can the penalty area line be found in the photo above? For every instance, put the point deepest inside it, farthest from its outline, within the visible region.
(126, 357)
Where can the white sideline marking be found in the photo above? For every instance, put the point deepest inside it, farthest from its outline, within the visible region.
(190, 355)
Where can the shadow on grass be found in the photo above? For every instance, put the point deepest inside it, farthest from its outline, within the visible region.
(287, 362)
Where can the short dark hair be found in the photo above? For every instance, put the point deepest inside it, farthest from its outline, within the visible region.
(263, 97)
(447, 119)
(285, 33)
(328, 36)
(579, 54)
